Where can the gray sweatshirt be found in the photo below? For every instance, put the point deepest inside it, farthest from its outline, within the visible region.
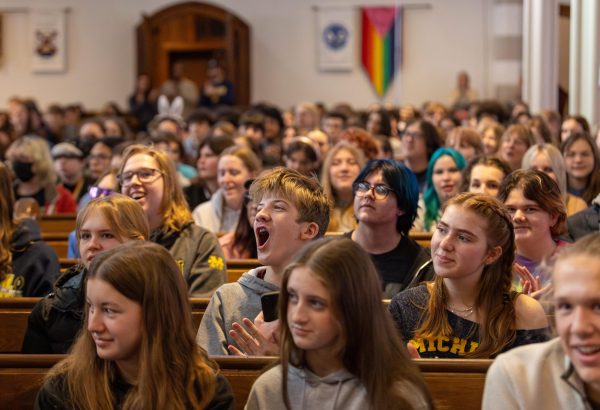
(339, 390)
(231, 303)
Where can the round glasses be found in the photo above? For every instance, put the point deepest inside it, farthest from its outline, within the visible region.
(380, 191)
(145, 176)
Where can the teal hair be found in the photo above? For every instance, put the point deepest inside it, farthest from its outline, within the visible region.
(430, 197)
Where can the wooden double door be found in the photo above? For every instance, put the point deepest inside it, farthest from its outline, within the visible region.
(193, 33)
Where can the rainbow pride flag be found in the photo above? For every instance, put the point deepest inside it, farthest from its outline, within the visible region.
(381, 44)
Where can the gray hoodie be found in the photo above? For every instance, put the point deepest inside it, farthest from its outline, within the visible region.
(306, 390)
(231, 303)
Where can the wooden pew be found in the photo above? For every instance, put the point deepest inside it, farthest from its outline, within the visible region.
(237, 267)
(63, 223)
(15, 311)
(59, 241)
(13, 322)
(66, 263)
(454, 383)
(422, 238)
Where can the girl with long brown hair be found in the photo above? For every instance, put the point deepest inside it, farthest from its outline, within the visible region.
(582, 162)
(339, 348)
(469, 309)
(221, 214)
(137, 349)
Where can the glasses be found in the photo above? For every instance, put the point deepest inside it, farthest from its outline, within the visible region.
(97, 192)
(145, 176)
(380, 191)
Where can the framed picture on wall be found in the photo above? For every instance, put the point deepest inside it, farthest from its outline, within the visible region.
(335, 38)
(48, 41)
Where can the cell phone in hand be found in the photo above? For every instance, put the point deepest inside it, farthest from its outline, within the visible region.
(269, 302)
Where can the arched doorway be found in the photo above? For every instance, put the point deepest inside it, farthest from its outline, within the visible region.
(193, 33)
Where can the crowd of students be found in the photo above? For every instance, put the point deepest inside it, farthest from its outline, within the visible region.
(160, 210)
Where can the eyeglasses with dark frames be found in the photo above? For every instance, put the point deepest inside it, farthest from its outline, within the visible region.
(145, 176)
(380, 191)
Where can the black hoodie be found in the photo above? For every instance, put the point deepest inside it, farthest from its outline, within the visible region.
(35, 264)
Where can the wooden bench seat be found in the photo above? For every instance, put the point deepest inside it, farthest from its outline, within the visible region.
(454, 383)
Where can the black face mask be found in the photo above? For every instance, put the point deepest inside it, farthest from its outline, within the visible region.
(23, 170)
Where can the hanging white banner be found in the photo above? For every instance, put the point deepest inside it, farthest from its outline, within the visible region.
(335, 38)
(48, 41)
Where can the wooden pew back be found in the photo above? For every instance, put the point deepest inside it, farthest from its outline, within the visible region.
(15, 311)
(237, 267)
(13, 322)
(63, 223)
(57, 241)
(422, 238)
(454, 383)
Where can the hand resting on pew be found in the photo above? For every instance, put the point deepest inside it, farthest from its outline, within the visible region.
(255, 339)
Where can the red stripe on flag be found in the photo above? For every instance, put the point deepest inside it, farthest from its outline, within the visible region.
(367, 46)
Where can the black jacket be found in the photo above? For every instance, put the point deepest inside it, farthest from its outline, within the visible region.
(35, 264)
(54, 394)
(56, 320)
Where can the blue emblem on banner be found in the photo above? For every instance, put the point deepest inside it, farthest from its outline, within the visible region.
(335, 36)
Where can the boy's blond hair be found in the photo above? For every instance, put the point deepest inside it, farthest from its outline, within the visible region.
(304, 192)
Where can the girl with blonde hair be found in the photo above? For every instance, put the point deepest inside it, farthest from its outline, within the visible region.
(148, 176)
(32, 165)
(137, 349)
(548, 159)
(340, 168)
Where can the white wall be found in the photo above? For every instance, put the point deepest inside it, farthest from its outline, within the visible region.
(438, 42)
